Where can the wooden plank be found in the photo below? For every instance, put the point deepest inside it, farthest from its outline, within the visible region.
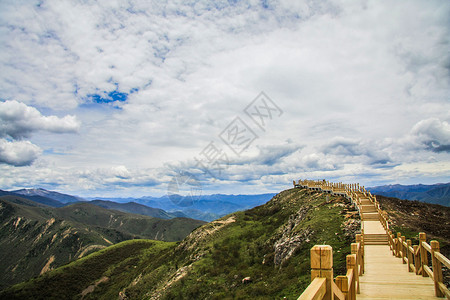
(426, 246)
(385, 277)
(337, 292)
(437, 268)
(428, 271)
(316, 290)
(445, 290)
(413, 268)
(443, 259)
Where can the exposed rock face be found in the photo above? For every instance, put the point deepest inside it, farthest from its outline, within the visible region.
(350, 228)
(291, 239)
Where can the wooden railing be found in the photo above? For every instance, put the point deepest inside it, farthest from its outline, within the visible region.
(323, 286)
(346, 287)
(416, 259)
(353, 192)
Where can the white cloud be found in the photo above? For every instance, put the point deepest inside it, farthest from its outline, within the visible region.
(18, 120)
(434, 134)
(18, 153)
(364, 72)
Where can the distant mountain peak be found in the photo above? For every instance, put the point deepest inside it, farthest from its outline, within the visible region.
(63, 198)
(438, 193)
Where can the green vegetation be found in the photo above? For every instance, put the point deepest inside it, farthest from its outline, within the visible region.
(39, 238)
(270, 244)
(411, 217)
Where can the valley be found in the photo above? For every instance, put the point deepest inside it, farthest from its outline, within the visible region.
(269, 244)
(36, 238)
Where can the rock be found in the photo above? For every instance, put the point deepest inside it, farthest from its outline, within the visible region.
(122, 296)
(289, 241)
(246, 280)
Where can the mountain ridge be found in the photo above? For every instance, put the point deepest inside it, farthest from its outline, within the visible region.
(36, 237)
(206, 207)
(438, 193)
(63, 198)
(269, 243)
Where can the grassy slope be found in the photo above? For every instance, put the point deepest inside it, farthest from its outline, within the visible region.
(412, 217)
(134, 208)
(212, 261)
(31, 236)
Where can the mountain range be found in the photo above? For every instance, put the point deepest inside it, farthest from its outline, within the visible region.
(63, 198)
(436, 193)
(35, 237)
(260, 253)
(268, 246)
(206, 208)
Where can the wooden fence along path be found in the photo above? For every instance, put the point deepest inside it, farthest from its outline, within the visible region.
(382, 265)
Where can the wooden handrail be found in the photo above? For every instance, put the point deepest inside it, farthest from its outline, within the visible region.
(337, 292)
(416, 258)
(347, 286)
(442, 259)
(426, 246)
(316, 290)
(344, 287)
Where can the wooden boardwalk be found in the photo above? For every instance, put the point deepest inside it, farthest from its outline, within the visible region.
(386, 277)
(381, 265)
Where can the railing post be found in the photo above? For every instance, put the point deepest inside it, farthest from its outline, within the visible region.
(351, 265)
(394, 245)
(342, 284)
(410, 256)
(416, 259)
(404, 253)
(423, 253)
(354, 249)
(322, 266)
(437, 268)
(360, 240)
(399, 243)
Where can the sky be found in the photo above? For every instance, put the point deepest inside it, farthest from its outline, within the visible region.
(133, 98)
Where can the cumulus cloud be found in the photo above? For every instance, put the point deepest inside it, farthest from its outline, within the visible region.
(155, 82)
(352, 149)
(269, 154)
(434, 134)
(18, 120)
(18, 153)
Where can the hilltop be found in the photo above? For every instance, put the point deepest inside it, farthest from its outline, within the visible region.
(269, 243)
(36, 238)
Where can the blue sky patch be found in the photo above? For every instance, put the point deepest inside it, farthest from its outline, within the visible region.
(112, 96)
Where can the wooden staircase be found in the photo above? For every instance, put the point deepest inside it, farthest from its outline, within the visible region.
(368, 210)
(385, 275)
(376, 239)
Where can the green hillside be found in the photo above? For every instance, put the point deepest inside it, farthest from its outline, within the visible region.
(35, 239)
(134, 208)
(270, 244)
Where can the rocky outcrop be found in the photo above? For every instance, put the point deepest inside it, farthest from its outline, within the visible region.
(291, 239)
